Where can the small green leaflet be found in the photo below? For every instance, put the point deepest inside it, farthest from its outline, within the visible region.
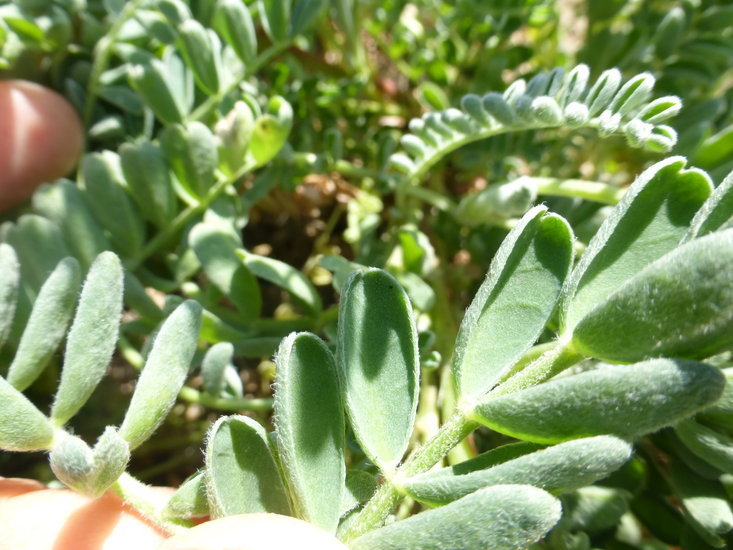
(379, 364)
(627, 401)
(502, 517)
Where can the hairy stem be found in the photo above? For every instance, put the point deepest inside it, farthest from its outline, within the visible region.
(588, 190)
(384, 500)
(262, 404)
(140, 497)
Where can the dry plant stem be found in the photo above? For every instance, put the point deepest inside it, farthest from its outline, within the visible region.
(137, 495)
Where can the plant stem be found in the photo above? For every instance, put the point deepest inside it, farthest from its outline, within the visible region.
(263, 404)
(184, 217)
(387, 495)
(203, 110)
(589, 190)
(139, 496)
(102, 54)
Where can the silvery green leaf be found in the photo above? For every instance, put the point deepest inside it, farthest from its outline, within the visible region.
(634, 93)
(379, 364)
(502, 517)
(62, 203)
(627, 401)
(286, 277)
(602, 92)
(473, 105)
(46, 327)
(164, 373)
(556, 469)
(304, 13)
(217, 358)
(649, 221)
(234, 23)
(9, 284)
(241, 474)
(200, 53)
(189, 501)
(151, 80)
(514, 303)
(192, 154)
(22, 426)
(574, 85)
(148, 178)
(546, 110)
(712, 446)
(716, 213)
(111, 455)
(680, 305)
(495, 104)
(92, 337)
(310, 427)
(660, 109)
(669, 31)
(215, 248)
(39, 246)
(276, 17)
(705, 503)
(109, 202)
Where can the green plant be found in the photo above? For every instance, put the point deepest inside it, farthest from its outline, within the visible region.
(581, 399)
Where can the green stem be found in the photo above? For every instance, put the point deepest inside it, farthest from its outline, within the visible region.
(139, 496)
(384, 500)
(192, 395)
(102, 55)
(203, 110)
(589, 190)
(183, 218)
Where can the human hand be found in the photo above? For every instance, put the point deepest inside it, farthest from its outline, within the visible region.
(41, 139)
(35, 518)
